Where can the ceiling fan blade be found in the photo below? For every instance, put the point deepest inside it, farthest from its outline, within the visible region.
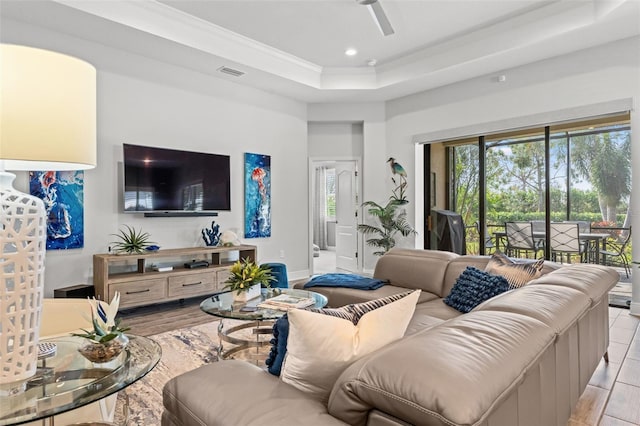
(381, 18)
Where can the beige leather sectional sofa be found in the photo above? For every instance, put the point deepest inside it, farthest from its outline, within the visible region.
(521, 358)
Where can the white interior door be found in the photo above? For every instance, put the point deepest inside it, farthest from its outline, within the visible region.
(347, 221)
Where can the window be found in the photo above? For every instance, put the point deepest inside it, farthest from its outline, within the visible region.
(330, 192)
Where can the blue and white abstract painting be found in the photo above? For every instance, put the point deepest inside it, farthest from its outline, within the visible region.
(63, 196)
(257, 195)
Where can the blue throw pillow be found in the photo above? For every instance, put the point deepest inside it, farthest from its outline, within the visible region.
(473, 287)
(278, 345)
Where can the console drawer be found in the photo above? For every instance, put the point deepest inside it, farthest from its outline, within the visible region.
(139, 292)
(192, 284)
(221, 276)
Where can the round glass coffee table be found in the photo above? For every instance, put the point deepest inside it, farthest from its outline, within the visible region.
(66, 380)
(255, 332)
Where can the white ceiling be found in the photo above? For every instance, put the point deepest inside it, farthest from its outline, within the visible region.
(296, 47)
(320, 31)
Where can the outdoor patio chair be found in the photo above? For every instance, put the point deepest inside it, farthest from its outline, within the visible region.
(565, 242)
(474, 228)
(488, 240)
(538, 226)
(615, 252)
(583, 226)
(520, 239)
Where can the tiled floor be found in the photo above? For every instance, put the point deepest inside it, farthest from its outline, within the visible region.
(325, 263)
(612, 397)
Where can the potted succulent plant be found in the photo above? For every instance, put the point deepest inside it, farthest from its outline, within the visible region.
(107, 339)
(131, 241)
(246, 278)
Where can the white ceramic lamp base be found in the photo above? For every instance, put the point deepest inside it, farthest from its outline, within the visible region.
(22, 244)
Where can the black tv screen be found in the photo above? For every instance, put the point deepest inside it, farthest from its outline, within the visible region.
(169, 180)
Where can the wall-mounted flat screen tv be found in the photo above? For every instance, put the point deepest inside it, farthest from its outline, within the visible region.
(168, 180)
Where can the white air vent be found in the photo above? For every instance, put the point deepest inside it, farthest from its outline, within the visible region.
(230, 71)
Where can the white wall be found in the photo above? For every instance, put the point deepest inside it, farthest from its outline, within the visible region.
(573, 84)
(335, 140)
(180, 109)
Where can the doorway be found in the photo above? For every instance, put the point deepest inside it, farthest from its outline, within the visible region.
(334, 216)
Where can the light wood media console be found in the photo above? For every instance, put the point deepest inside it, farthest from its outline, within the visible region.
(138, 284)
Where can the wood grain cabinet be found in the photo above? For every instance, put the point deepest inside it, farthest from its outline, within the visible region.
(133, 275)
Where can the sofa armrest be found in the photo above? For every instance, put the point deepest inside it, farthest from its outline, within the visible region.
(236, 392)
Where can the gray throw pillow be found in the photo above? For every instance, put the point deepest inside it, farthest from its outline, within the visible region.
(518, 273)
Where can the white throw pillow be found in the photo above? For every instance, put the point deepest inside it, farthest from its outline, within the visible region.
(320, 347)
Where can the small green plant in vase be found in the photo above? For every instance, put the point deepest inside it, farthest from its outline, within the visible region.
(107, 339)
(131, 241)
(246, 278)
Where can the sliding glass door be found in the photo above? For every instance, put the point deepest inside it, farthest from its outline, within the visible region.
(499, 178)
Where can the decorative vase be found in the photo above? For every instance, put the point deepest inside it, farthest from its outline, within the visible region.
(23, 239)
(251, 293)
(103, 352)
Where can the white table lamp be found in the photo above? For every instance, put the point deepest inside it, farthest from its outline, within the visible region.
(47, 122)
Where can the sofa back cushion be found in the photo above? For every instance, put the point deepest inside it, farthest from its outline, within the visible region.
(557, 306)
(586, 278)
(415, 269)
(454, 373)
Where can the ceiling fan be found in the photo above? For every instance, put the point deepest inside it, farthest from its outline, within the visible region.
(379, 16)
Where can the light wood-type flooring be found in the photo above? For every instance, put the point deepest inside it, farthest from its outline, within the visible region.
(612, 397)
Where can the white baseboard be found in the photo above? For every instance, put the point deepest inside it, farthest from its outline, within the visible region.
(299, 275)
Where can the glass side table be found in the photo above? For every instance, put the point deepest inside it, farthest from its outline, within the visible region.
(67, 380)
(259, 322)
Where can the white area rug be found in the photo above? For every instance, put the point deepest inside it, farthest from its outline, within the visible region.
(182, 350)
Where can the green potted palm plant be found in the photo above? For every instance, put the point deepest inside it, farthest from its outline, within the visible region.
(391, 217)
(246, 278)
(392, 221)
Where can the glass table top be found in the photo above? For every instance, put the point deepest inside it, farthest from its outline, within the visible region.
(67, 380)
(223, 304)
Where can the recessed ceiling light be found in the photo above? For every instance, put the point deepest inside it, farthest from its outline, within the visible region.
(372, 62)
(351, 52)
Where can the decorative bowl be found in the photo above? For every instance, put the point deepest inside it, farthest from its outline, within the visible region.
(103, 352)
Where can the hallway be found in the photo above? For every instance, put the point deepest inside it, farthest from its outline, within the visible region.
(326, 262)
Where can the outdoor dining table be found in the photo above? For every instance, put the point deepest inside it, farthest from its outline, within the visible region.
(593, 239)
